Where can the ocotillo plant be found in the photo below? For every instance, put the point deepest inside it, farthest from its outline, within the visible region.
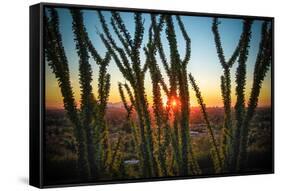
(263, 62)
(128, 60)
(176, 72)
(58, 62)
(242, 51)
(215, 152)
(93, 110)
(240, 95)
(90, 118)
(86, 88)
(160, 112)
(234, 145)
(178, 68)
(129, 63)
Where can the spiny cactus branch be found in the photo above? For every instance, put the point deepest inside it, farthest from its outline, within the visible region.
(206, 118)
(262, 65)
(240, 92)
(59, 64)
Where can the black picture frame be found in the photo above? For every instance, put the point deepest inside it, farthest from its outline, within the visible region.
(37, 93)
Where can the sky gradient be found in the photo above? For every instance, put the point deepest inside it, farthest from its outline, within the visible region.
(204, 64)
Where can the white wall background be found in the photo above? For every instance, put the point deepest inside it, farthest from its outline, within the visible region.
(14, 88)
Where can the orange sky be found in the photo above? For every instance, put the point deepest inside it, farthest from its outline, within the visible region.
(210, 92)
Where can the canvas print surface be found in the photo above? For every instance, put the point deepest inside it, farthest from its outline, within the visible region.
(131, 95)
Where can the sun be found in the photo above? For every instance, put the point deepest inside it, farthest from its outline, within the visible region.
(169, 102)
(174, 103)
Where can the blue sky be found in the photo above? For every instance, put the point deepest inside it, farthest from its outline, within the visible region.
(204, 63)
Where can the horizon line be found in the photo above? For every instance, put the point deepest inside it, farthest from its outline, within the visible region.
(62, 108)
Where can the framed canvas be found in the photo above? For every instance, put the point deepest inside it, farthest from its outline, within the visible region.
(128, 95)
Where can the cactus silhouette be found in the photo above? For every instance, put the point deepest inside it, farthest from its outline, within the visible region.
(58, 62)
(235, 134)
(217, 159)
(129, 63)
(154, 148)
(234, 142)
(263, 62)
(89, 118)
(242, 51)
